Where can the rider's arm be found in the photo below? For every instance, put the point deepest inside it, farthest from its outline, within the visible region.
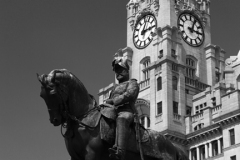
(130, 94)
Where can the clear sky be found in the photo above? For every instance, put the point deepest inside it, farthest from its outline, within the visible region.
(37, 36)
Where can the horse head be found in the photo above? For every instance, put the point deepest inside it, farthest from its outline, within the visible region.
(54, 91)
(64, 95)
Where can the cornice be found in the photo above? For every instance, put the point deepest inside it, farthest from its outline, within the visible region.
(227, 118)
(205, 132)
(175, 137)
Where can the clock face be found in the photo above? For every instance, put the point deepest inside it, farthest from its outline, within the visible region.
(142, 35)
(191, 28)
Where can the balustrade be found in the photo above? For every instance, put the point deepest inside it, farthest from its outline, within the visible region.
(144, 84)
(176, 116)
(196, 117)
(195, 83)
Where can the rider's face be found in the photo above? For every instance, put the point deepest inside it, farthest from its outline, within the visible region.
(121, 74)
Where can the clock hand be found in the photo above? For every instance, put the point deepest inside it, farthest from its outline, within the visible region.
(197, 32)
(144, 28)
(191, 29)
(193, 24)
(148, 29)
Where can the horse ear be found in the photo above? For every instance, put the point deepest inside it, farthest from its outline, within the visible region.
(40, 78)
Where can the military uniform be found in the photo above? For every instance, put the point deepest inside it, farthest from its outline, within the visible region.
(124, 96)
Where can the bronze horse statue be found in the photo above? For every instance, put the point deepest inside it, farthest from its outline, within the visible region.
(90, 128)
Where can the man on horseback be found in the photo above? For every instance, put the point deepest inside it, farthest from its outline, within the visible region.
(123, 97)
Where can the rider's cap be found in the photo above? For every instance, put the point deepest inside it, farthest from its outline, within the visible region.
(120, 62)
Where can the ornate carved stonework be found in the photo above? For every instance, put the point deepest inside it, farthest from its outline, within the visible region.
(233, 60)
(140, 8)
(199, 7)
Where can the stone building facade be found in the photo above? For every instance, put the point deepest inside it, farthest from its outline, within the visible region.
(188, 92)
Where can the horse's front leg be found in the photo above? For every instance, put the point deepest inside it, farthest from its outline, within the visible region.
(94, 149)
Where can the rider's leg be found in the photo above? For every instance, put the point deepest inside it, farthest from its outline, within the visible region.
(123, 127)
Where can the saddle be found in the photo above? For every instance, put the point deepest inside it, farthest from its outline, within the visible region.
(106, 116)
(147, 137)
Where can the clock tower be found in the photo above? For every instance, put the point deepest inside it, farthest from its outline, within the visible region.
(170, 54)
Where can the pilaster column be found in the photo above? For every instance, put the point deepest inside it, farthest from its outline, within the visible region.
(198, 153)
(210, 149)
(206, 151)
(190, 154)
(219, 146)
(145, 121)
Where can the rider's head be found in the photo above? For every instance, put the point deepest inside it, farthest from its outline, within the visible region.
(121, 69)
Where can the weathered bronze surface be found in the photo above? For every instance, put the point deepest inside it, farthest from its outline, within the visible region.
(91, 128)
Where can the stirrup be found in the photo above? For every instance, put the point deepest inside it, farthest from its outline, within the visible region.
(116, 153)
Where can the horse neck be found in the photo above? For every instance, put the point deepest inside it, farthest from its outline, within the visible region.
(79, 100)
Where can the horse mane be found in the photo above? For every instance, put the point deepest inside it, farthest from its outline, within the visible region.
(71, 80)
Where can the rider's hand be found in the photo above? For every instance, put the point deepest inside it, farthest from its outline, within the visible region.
(109, 101)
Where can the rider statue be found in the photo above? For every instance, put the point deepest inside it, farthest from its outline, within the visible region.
(122, 97)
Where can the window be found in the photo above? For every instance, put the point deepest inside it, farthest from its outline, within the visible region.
(214, 101)
(188, 110)
(159, 108)
(146, 73)
(233, 158)
(215, 148)
(174, 82)
(217, 72)
(174, 67)
(146, 64)
(202, 152)
(173, 53)
(187, 91)
(160, 54)
(194, 154)
(190, 68)
(175, 107)
(159, 83)
(232, 136)
(199, 126)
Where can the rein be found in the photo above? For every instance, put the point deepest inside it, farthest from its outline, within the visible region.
(74, 118)
(64, 110)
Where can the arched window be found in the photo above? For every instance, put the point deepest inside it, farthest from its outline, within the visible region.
(199, 126)
(145, 70)
(159, 83)
(143, 108)
(174, 82)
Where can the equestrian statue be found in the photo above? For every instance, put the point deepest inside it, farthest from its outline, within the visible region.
(103, 132)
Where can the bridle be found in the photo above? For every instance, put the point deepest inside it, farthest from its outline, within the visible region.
(60, 89)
